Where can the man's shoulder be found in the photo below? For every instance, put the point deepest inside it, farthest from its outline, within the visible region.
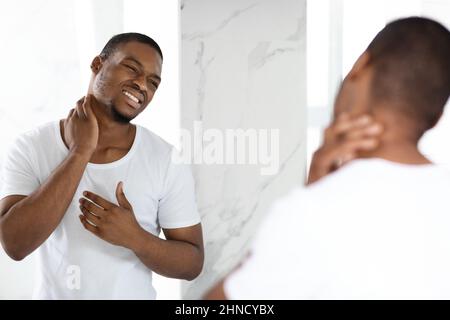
(357, 175)
(368, 186)
(377, 171)
(42, 133)
(153, 144)
(288, 208)
(355, 169)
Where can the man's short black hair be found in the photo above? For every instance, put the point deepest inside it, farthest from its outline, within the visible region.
(119, 39)
(411, 60)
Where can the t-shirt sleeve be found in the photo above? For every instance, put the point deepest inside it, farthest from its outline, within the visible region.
(279, 265)
(18, 176)
(177, 205)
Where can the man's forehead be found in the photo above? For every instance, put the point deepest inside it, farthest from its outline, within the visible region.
(141, 52)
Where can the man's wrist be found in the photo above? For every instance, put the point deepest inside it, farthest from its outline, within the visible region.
(139, 240)
(82, 155)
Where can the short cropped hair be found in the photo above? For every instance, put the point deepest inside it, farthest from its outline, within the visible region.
(411, 60)
(113, 44)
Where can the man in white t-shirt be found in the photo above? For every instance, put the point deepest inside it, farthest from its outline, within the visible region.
(91, 192)
(379, 227)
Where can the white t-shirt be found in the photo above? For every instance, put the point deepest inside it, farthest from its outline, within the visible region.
(374, 229)
(161, 193)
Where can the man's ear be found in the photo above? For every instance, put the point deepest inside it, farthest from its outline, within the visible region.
(360, 65)
(96, 64)
(353, 94)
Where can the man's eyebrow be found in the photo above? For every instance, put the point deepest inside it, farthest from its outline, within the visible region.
(153, 75)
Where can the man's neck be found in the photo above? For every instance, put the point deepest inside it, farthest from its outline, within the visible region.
(111, 132)
(399, 139)
(398, 152)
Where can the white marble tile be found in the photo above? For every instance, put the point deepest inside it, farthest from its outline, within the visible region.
(243, 66)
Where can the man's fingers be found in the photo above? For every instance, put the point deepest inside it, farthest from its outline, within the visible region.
(91, 207)
(120, 195)
(341, 161)
(81, 100)
(87, 225)
(87, 106)
(69, 116)
(84, 110)
(342, 116)
(373, 130)
(366, 144)
(79, 110)
(353, 146)
(345, 151)
(89, 216)
(347, 158)
(343, 140)
(71, 111)
(344, 125)
(105, 204)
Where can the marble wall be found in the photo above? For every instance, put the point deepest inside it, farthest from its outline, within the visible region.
(243, 65)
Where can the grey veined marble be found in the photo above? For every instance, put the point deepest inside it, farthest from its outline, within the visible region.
(243, 67)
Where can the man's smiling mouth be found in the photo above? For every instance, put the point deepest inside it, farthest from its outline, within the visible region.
(131, 96)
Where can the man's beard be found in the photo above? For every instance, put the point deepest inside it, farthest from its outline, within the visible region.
(117, 116)
(100, 86)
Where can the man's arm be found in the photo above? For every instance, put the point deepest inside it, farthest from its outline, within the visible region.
(180, 256)
(27, 221)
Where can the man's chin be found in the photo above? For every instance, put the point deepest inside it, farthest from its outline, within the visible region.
(120, 116)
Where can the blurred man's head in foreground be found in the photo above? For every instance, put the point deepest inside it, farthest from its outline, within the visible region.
(404, 74)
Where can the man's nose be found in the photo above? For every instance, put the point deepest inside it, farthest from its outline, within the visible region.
(140, 83)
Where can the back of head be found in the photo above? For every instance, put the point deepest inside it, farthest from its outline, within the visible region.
(411, 69)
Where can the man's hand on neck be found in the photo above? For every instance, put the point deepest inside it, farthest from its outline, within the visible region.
(91, 130)
(343, 140)
(80, 128)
